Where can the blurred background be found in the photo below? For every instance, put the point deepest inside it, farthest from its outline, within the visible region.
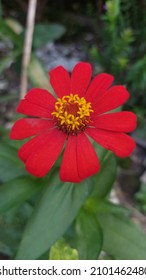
(111, 35)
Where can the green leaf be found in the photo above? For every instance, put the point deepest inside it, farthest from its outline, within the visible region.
(6, 33)
(10, 165)
(104, 179)
(8, 171)
(97, 206)
(88, 236)
(52, 216)
(113, 9)
(8, 152)
(62, 251)
(4, 249)
(11, 227)
(14, 25)
(16, 191)
(101, 152)
(123, 239)
(141, 197)
(44, 33)
(7, 60)
(38, 76)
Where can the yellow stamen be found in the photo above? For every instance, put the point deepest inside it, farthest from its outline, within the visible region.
(72, 113)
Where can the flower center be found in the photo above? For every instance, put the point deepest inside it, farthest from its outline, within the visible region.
(72, 113)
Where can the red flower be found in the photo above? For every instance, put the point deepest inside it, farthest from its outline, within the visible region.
(77, 113)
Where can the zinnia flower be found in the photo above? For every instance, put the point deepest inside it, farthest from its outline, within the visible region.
(78, 113)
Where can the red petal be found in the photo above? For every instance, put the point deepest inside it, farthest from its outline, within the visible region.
(80, 78)
(119, 121)
(60, 81)
(87, 160)
(24, 128)
(40, 162)
(121, 144)
(68, 169)
(32, 146)
(98, 86)
(30, 109)
(112, 98)
(41, 97)
(37, 102)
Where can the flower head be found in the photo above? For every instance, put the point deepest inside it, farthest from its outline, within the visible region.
(72, 114)
(80, 111)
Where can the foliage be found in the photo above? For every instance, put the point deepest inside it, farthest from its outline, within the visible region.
(141, 197)
(44, 33)
(116, 231)
(12, 33)
(121, 50)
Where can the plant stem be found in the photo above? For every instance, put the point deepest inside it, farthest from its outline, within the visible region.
(27, 45)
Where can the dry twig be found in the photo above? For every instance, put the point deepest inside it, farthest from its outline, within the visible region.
(27, 45)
